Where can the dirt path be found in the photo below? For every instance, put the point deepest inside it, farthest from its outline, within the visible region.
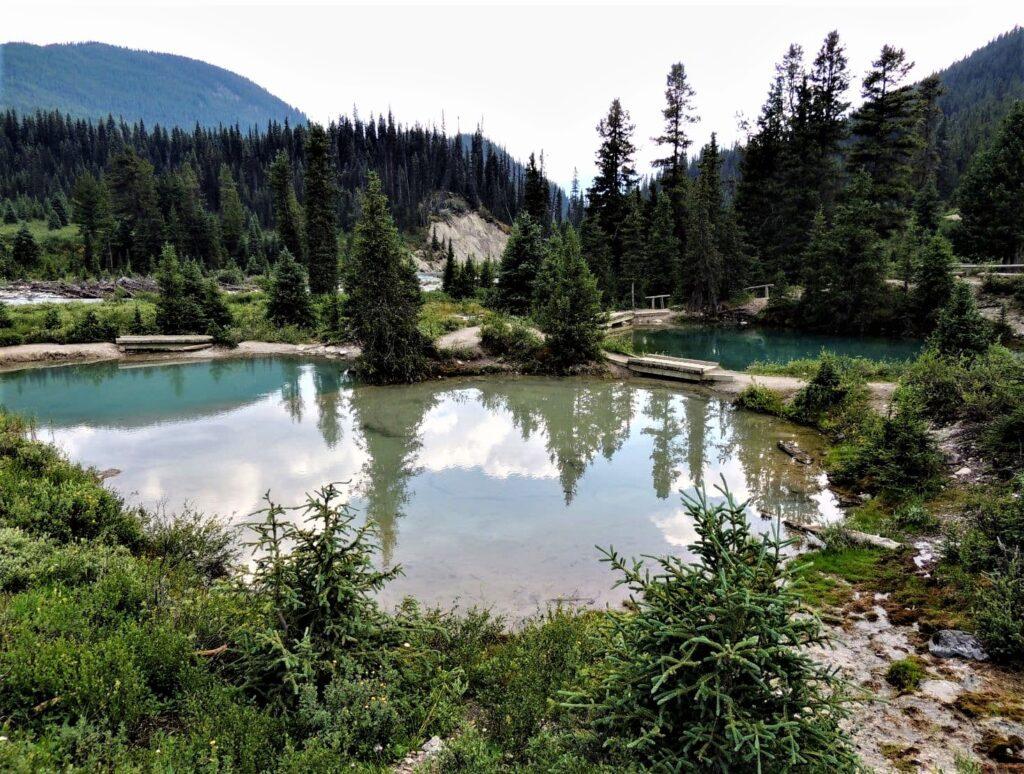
(462, 339)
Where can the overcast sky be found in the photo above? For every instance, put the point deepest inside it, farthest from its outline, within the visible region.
(538, 77)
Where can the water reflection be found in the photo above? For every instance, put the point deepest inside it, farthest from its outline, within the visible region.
(490, 491)
(737, 348)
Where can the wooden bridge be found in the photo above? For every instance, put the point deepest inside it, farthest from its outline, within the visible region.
(999, 269)
(675, 368)
(163, 343)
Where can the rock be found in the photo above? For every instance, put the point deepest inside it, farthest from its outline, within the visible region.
(433, 745)
(953, 643)
(942, 691)
(964, 471)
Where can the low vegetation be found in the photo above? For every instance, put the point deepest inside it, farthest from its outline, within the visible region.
(138, 643)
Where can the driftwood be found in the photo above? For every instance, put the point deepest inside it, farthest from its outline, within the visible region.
(860, 538)
(795, 452)
(213, 652)
(103, 475)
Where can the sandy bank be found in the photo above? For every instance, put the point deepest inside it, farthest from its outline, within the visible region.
(34, 355)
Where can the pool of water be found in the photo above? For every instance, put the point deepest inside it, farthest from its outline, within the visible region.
(736, 348)
(488, 491)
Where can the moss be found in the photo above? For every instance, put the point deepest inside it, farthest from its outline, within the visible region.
(906, 674)
(761, 399)
(983, 704)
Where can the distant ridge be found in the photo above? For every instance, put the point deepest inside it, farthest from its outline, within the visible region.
(94, 80)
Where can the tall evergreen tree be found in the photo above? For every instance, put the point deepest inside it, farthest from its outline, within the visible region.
(664, 254)
(886, 137)
(568, 305)
(134, 206)
(991, 197)
(450, 270)
(321, 221)
(287, 218)
(288, 301)
(535, 194)
(232, 215)
(702, 279)
(384, 296)
(524, 254)
(934, 281)
(25, 250)
(634, 276)
(616, 176)
(91, 208)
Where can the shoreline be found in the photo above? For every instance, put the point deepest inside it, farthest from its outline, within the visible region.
(24, 356)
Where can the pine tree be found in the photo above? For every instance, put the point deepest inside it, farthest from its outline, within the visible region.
(465, 282)
(450, 271)
(886, 137)
(934, 281)
(664, 255)
(597, 249)
(286, 207)
(635, 273)
(321, 225)
(568, 304)
(232, 215)
(134, 206)
(858, 292)
(616, 177)
(383, 296)
(678, 115)
(434, 244)
(535, 194)
(9, 215)
(288, 301)
(960, 330)
(819, 274)
(703, 279)
(991, 196)
(524, 254)
(25, 251)
(487, 274)
(92, 214)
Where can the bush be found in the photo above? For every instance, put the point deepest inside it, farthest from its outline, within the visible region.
(763, 400)
(961, 331)
(895, 455)
(999, 611)
(288, 301)
(509, 337)
(906, 674)
(712, 658)
(90, 328)
(6, 321)
(826, 397)
(10, 338)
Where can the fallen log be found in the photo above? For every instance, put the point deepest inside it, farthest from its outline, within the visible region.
(860, 538)
(795, 452)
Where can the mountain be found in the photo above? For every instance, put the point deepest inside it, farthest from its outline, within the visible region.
(94, 80)
(979, 90)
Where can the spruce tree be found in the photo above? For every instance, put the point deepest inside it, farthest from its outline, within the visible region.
(535, 194)
(138, 223)
(568, 304)
(819, 262)
(465, 282)
(616, 177)
(25, 251)
(634, 276)
(960, 330)
(702, 281)
(91, 209)
(858, 291)
(9, 216)
(886, 137)
(287, 218)
(383, 296)
(934, 281)
(597, 249)
(524, 254)
(288, 301)
(487, 274)
(664, 253)
(450, 271)
(991, 196)
(232, 215)
(321, 225)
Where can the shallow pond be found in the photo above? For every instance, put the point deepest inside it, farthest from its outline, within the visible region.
(736, 348)
(488, 491)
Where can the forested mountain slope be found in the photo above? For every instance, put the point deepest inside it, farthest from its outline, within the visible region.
(979, 91)
(94, 80)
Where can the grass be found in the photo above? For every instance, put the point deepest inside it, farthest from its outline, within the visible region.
(806, 368)
(441, 315)
(827, 579)
(906, 674)
(39, 231)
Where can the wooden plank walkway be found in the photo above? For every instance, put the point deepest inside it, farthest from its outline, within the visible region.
(163, 343)
(676, 368)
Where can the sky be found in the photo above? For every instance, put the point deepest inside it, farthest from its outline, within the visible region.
(537, 77)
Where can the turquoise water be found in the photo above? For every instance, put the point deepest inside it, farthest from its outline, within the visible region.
(488, 491)
(736, 348)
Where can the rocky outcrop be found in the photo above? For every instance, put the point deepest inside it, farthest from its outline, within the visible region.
(471, 234)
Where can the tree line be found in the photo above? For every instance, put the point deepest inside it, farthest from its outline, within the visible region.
(835, 201)
(212, 192)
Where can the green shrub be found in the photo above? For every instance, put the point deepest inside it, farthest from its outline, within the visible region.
(27, 561)
(906, 674)
(509, 337)
(469, 752)
(993, 528)
(90, 328)
(205, 544)
(763, 400)
(713, 658)
(999, 611)
(6, 321)
(832, 400)
(10, 338)
(52, 320)
(895, 455)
